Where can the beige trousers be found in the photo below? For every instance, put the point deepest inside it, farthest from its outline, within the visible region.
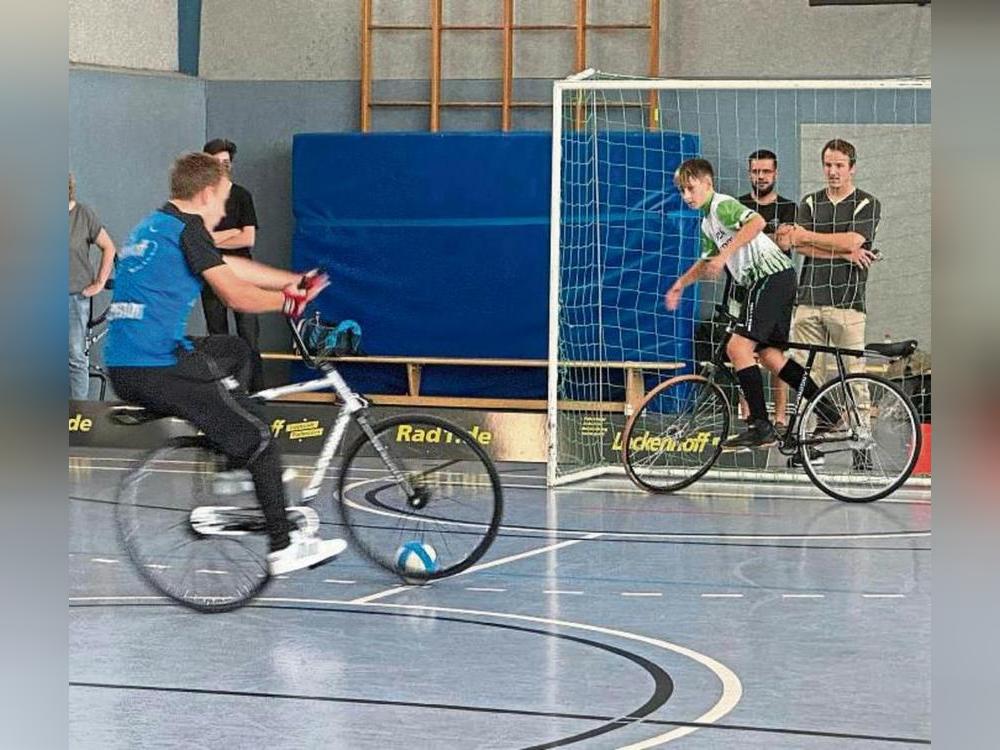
(831, 326)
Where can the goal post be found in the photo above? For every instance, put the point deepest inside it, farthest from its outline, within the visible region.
(620, 234)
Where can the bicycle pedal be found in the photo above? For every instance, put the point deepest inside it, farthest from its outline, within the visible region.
(233, 482)
(209, 520)
(305, 518)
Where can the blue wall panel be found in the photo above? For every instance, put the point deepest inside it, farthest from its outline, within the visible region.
(438, 245)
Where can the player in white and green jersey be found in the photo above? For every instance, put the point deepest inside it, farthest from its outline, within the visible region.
(722, 218)
(732, 239)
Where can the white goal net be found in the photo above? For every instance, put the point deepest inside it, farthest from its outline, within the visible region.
(620, 235)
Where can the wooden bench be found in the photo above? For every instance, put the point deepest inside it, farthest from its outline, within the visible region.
(635, 388)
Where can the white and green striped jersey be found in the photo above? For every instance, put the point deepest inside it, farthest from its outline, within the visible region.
(722, 217)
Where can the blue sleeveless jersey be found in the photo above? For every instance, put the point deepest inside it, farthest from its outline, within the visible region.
(157, 282)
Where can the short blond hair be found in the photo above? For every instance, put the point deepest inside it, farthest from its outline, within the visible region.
(194, 172)
(693, 169)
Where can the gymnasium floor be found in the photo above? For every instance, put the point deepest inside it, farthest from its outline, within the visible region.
(728, 616)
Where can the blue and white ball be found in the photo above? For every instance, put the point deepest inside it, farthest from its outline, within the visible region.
(416, 558)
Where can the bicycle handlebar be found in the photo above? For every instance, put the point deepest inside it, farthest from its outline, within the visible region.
(299, 344)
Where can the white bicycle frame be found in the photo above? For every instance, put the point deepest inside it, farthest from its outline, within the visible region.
(352, 403)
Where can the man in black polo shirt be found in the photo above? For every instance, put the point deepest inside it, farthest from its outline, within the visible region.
(835, 231)
(762, 168)
(234, 235)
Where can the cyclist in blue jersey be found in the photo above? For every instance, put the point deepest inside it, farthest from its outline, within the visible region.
(151, 362)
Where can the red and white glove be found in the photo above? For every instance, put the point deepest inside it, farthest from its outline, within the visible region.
(298, 296)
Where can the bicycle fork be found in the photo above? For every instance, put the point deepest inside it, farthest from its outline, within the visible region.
(354, 408)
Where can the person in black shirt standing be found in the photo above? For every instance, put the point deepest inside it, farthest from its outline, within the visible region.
(234, 235)
(835, 230)
(776, 209)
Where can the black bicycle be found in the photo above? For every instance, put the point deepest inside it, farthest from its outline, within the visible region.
(97, 329)
(677, 433)
(415, 494)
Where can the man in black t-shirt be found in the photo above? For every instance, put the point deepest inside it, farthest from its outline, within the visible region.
(762, 168)
(234, 235)
(835, 231)
(763, 197)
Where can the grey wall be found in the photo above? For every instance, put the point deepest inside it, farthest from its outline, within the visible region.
(140, 34)
(894, 165)
(125, 131)
(318, 40)
(268, 75)
(261, 117)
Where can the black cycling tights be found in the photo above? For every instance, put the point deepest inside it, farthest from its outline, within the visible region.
(207, 387)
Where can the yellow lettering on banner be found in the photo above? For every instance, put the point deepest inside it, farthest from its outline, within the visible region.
(648, 442)
(300, 435)
(80, 423)
(418, 435)
(403, 433)
(434, 435)
(483, 437)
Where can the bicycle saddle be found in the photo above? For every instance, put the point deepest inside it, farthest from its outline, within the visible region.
(893, 349)
(131, 415)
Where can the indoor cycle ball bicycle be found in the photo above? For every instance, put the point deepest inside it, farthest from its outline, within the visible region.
(677, 433)
(417, 495)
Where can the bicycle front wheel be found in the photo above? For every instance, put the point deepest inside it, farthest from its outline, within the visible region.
(676, 434)
(873, 450)
(156, 504)
(420, 497)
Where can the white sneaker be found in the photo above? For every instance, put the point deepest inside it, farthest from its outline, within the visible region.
(238, 481)
(303, 552)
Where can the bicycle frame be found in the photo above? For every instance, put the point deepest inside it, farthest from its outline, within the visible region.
(790, 443)
(353, 406)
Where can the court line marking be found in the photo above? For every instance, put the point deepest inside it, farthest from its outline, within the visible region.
(643, 534)
(703, 491)
(483, 566)
(493, 589)
(105, 560)
(678, 535)
(732, 688)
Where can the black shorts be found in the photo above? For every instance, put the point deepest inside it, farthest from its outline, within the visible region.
(766, 316)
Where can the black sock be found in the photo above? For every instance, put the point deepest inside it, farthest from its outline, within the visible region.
(792, 373)
(753, 391)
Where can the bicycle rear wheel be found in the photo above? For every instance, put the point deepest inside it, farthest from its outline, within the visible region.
(420, 484)
(206, 572)
(676, 434)
(872, 452)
